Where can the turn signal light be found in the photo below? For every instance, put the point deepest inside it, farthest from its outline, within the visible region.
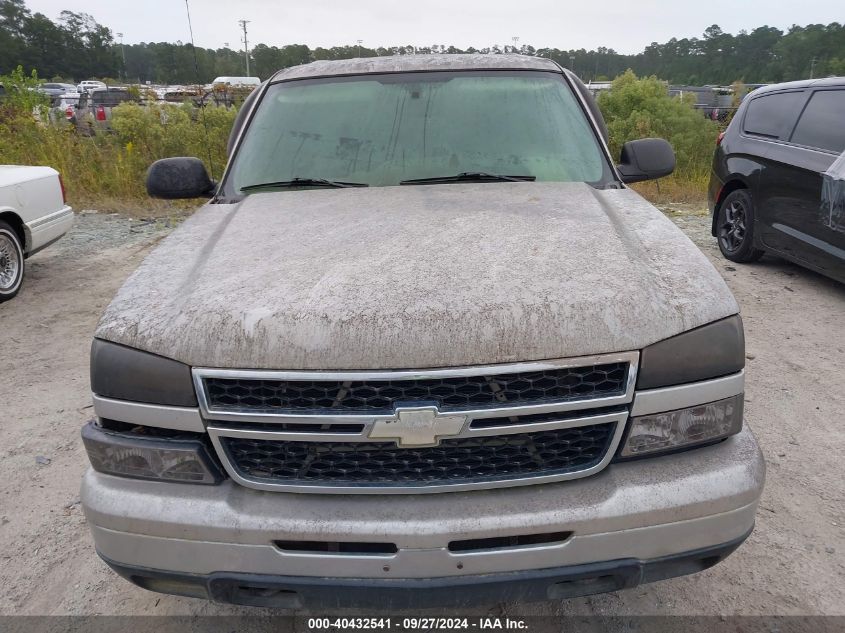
(140, 457)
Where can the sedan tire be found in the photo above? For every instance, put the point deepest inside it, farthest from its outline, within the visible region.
(11, 262)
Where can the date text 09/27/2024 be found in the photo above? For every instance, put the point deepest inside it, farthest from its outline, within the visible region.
(412, 624)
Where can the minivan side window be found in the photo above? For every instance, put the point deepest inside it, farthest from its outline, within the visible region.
(772, 115)
(822, 124)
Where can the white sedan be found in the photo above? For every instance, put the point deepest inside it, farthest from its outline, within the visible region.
(33, 215)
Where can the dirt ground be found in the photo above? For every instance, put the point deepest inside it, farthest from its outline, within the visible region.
(793, 564)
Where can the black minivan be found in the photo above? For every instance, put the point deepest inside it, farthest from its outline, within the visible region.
(774, 187)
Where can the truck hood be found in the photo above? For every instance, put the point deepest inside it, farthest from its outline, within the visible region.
(416, 277)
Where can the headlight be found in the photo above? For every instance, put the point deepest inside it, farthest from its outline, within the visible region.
(683, 428)
(125, 373)
(131, 455)
(711, 351)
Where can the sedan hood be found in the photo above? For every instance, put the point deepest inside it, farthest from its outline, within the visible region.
(416, 277)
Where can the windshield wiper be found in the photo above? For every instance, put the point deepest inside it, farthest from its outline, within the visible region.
(303, 182)
(468, 176)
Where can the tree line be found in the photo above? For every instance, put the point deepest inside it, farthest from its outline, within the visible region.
(77, 47)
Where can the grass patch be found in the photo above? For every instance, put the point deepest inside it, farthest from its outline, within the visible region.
(674, 190)
(108, 170)
(640, 108)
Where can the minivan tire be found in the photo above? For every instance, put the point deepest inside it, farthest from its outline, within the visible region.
(11, 262)
(735, 228)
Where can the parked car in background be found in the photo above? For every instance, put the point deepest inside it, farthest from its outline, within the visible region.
(33, 215)
(230, 91)
(181, 94)
(94, 110)
(58, 89)
(773, 183)
(236, 81)
(63, 98)
(63, 108)
(527, 384)
(110, 97)
(90, 84)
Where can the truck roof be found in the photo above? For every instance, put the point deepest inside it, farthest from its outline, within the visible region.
(414, 63)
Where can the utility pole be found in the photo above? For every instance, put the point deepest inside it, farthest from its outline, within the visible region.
(515, 42)
(123, 55)
(359, 47)
(243, 24)
(812, 66)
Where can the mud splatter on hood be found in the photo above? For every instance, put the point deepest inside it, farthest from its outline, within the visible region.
(415, 277)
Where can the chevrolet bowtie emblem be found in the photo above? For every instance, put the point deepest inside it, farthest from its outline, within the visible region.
(417, 426)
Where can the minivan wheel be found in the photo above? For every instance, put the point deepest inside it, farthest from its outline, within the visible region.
(735, 228)
(11, 262)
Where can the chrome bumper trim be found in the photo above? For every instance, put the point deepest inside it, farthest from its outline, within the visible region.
(687, 395)
(50, 218)
(201, 556)
(177, 418)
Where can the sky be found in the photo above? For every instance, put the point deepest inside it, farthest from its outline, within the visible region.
(624, 25)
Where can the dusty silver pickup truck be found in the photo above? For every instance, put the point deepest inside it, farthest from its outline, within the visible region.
(423, 346)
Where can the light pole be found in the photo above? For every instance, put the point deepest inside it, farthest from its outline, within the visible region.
(812, 67)
(359, 47)
(572, 63)
(122, 55)
(243, 24)
(515, 42)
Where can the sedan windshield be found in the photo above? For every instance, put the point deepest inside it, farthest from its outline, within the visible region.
(382, 130)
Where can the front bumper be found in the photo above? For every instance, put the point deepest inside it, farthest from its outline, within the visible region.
(292, 592)
(639, 511)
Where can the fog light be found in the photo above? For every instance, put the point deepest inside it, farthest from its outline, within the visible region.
(683, 428)
(126, 455)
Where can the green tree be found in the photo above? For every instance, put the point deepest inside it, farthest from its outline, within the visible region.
(77, 46)
(45, 48)
(21, 98)
(640, 108)
(88, 48)
(13, 15)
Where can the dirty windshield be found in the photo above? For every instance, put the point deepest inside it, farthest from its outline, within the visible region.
(383, 130)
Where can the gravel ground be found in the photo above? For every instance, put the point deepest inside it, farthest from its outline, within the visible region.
(793, 564)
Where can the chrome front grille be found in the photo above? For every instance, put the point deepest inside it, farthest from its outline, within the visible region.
(453, 392)
(418, 431)
(466, 460)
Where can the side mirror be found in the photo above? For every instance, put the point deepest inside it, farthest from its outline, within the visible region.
(182, 177)
(646, 159)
